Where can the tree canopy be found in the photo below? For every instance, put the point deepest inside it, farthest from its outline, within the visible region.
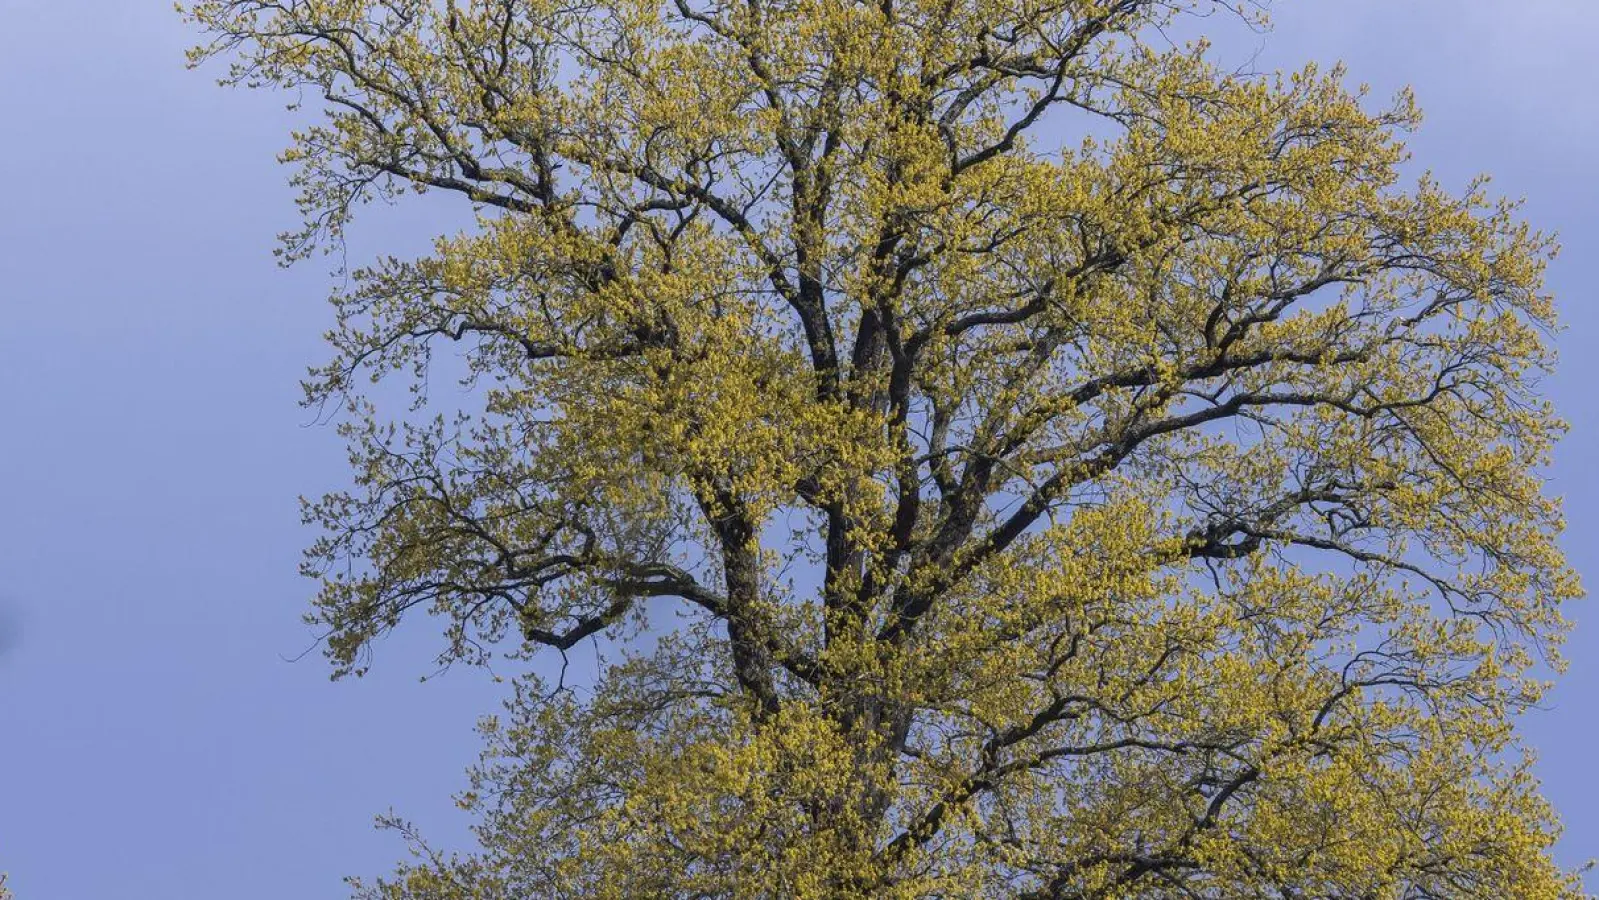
(993, 450)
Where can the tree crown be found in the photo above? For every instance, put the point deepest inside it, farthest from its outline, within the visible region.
(1006, 453)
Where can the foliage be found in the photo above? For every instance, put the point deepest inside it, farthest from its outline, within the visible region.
(997, 451)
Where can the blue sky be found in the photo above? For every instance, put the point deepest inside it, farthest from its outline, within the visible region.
(154, 741)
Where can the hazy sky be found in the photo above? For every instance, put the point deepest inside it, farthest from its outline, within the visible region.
(155, 744)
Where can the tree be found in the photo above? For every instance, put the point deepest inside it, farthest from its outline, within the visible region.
(991, 450)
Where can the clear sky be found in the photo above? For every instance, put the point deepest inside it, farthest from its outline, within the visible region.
(155, 744)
